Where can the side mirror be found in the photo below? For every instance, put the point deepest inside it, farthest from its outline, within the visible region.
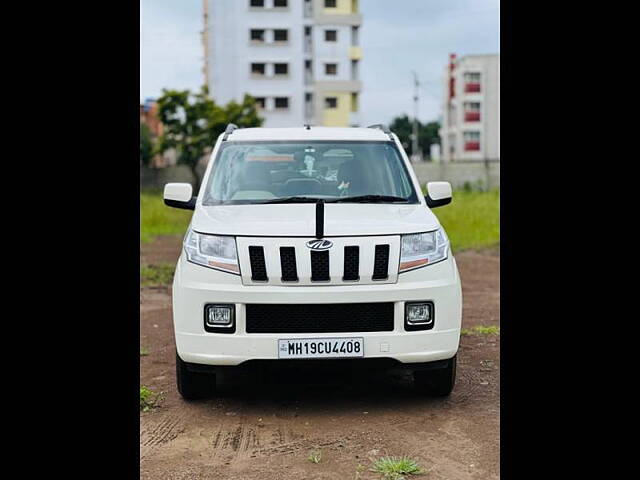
(179, 195)
(438, 194)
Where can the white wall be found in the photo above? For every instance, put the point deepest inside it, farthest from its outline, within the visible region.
(231, 53)
(332, 52)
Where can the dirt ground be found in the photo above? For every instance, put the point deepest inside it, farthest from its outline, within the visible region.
(265, 427)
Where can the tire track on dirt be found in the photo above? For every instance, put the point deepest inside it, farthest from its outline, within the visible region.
(236, 443)
(155, 434)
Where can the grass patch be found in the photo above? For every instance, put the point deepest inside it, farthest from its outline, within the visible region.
(472, 219)
(315, 456)
(148, 399)
(395, 468)
(144, 351)
(158, 219)
(481, 330)
(154, 275)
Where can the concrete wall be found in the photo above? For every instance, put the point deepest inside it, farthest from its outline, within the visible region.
(454, 124)
(229, 53)
(476, 174)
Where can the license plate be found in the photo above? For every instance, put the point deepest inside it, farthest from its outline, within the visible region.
(321, 348)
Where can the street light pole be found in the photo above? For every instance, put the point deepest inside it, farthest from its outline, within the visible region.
(414, 146)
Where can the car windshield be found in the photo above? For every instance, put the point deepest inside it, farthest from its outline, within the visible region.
(288, 172)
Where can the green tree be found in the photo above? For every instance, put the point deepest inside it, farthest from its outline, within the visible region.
(146, 145)
(427, 133)
(193, 121)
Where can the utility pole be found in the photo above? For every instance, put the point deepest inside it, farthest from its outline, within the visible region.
(205, 42)
(414, 145)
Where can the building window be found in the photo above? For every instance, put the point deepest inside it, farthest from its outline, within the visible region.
(281, 68)
(354, 70)
(257, 69)
(280, 35)
(256, 3)
(330, 4)
(330, 35)
(257, 35)
(472, 111)
(260, 102)
(308, 72)
(331, 102)
(331, 68)
(308, 8)
(471, 141)
(471, 82)
(280, 3)
(282, 103)
(355, 37)
(354, 102)
(308, 105)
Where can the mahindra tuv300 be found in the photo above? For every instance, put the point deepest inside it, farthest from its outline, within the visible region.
(314, 244)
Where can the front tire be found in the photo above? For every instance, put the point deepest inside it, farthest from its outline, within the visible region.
(193, 385)
(436, 383)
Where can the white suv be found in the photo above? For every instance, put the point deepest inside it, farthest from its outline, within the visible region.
(314, 243)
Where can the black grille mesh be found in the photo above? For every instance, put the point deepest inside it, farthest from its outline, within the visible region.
(288, 264)
(381, 263)
(258, 267)
(319, 318)
(319, 266)
(351, 263)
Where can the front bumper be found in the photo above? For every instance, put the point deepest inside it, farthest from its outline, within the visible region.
(194, 286)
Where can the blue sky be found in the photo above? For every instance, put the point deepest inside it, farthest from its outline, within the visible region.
(396, 38)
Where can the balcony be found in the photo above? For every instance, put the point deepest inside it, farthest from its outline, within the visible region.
(471, 116)
(472, 146)
(472, 87)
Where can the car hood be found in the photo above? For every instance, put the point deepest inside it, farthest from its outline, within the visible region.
(299, 219)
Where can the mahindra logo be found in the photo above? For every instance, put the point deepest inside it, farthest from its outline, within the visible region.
(320, 244)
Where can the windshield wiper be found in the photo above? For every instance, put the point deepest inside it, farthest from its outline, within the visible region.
(369, 199)
(293, 200)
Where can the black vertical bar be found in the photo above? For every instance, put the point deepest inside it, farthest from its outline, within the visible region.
(381, 262)
(320, 219)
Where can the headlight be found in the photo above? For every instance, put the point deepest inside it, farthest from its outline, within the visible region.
(422, 249)
(212, 251)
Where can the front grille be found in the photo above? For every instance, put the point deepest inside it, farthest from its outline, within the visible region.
(320, 266)
(319, 318)
(381, 262)
(258, 267)
(291, 262)
(288, 264)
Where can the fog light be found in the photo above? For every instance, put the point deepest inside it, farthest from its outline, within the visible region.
(219, 315)
(419, 313)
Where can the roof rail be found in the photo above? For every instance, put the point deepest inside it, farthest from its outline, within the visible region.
(228, 131)
(382, 127)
